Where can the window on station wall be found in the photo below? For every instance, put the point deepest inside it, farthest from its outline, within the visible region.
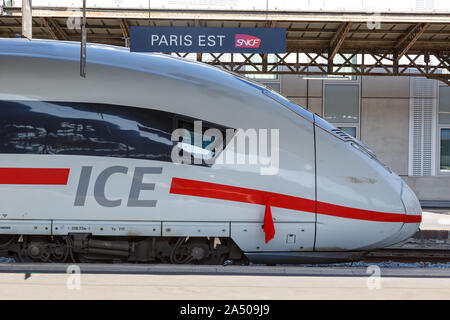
(444, 128)
(339, 59)
(351, 131)
(341, 107)
(257, 59)
(425, 4)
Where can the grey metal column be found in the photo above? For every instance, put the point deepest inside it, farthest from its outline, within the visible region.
(27, 20)
(83, 43)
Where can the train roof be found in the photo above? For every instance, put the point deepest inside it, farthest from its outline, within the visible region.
(114, 56)
(154, 63)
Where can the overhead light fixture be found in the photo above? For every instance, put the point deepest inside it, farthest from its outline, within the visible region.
(312, 77)
(326, 77)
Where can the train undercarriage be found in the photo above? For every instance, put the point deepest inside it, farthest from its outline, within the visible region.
(83, 248)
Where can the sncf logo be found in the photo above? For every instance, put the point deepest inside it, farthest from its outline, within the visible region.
(246, 41)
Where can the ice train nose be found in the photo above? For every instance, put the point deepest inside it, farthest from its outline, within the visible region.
(412, 205)
(413, 216)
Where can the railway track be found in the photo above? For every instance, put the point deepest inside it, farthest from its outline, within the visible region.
(378, 256)
(409, 255)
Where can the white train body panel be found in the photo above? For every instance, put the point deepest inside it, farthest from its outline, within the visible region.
(43, 76)
(363, 183)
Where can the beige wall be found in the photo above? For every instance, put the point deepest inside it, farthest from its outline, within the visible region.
(430, 188)
(306, 93)
(385, 87)
(385, 119)
(385, 129)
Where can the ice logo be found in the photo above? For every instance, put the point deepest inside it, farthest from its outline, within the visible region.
(246, 41)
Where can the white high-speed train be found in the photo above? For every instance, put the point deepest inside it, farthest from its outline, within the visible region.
(87, 168)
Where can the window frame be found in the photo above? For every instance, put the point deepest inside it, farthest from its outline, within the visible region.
(254, 77)
(439, 128)
(356, 77)
(356, 125)
(340, 125)
(205, 126)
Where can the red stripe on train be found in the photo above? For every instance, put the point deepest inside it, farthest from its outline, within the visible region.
(360, 214)
(231, 193)
(225, 192)
(47, 176)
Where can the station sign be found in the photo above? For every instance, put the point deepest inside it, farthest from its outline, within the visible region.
(204, 40)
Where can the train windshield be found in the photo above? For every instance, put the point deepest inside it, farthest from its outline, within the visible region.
(278, 98)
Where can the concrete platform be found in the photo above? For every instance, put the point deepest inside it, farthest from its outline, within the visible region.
(227, 287)
(438, 219)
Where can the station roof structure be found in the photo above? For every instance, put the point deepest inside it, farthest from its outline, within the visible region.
(349, 41)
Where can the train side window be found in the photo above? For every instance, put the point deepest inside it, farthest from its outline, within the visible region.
(103, 130)
(20, 132)
(39, 127)
(80, 136)
(142, 133)
(71, 128)
(67, 128)
(114, 131)
(201, 146)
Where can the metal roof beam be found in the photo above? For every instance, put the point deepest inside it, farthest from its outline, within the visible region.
(49, 29)
(408, 40)
(338, 39)
(124, 27)
(271, 24)
(58, 28)
(197, 25)
(336, 42)
(290, 30)
(440, 78)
